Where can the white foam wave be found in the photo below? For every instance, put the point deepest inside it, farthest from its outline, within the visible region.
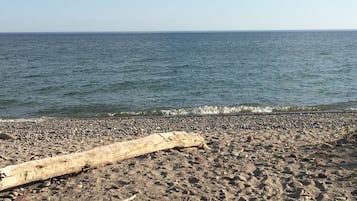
(351, 109)
(36, 120)
(214, 110)
(209, 110)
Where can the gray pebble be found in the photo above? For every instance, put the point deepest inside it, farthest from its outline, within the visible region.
(14, 193)
(4, 136)
(46, 184)
(242, 178)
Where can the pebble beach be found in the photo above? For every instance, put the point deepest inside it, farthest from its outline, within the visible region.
(281, 156)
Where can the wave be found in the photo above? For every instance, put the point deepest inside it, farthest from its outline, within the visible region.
(101, 111)
(226, 110)
(212, 110)
(35, 120)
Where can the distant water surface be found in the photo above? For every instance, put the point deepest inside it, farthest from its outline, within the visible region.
(101, 74)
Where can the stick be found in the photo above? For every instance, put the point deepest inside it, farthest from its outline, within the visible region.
(39, 170)
(131, 198)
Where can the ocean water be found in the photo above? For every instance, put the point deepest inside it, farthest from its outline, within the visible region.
(116, 74)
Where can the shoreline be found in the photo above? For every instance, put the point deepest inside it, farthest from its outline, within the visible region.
(280, 156)
(35, 118)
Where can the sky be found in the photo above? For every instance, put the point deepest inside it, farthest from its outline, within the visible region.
(175, 15)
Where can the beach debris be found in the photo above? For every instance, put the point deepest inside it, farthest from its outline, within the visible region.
(43, 169)
(4, 136)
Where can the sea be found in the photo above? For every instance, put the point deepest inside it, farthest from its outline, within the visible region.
(176, 73)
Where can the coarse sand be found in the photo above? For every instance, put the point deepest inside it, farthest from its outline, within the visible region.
(252, 157)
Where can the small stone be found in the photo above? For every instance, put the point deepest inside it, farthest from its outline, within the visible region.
(320, 185)
(12, 196)
(321, 176)
(116, 170)
(4, 136)
(322, 196)
(249, 139)
(268, 190)
(292, 156)
(7, 199)
(222, 194)
(340, 198)
(235, 153)
(241, 178)
(14, 193)
(258, 172)
(288, 170)
(193, 180)
(46, 184)
(354, 193)
(243, 199)
(114, 186)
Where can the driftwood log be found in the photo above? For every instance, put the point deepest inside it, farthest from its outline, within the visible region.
(39, 170)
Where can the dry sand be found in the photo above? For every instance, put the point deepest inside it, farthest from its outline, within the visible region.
(252, 157)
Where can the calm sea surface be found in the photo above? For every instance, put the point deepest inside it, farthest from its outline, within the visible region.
(176, 73)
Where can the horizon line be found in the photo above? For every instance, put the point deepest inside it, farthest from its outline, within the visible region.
(176, 31)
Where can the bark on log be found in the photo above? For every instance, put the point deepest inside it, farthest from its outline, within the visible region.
(39, 170)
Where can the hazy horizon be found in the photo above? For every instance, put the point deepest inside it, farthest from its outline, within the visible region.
(179, 31)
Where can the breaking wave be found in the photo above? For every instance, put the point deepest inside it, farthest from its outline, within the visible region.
(211, 110)
(216, 110)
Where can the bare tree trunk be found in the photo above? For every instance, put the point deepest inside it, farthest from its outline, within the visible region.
(27, 172)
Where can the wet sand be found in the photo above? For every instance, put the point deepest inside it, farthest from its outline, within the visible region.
(252, 157)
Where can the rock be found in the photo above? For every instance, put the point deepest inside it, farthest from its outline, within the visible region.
(288, 170)
(321, 176)
(258, 172)
(354, 193)
(243, 199)
(224, 127)
(14, 193)
(4, 136)
(340, 198)
(241, 178)
(320, 185)
(222, 194)
(193, 180)
(249, 139)
(46, 184)
(322, 197)
(201, 160)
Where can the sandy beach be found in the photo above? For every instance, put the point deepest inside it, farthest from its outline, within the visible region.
(252, 157)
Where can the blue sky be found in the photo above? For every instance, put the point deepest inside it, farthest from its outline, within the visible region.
(175, 15)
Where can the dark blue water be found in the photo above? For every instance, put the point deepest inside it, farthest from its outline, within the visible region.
(176, 73)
